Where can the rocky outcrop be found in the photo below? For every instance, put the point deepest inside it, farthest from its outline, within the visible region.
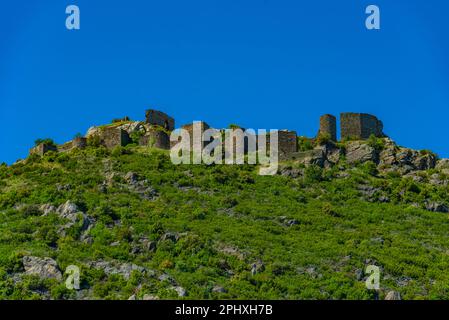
(360, 152)
(45, 268)
(112, 267)
(70, 211)
(436, 207)
(393, 295)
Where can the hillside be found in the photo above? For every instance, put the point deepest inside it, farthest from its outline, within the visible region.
(140, 227)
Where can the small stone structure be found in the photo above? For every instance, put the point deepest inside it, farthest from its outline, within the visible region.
(156, 139)
(158, 118)
(287, 143)
(359, 126)
(112, 137)
(328, 126)
(43, 148)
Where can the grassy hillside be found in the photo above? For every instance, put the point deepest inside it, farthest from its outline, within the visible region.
(217, 232)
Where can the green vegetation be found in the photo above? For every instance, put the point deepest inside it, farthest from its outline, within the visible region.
(313, 233)
(47, 141)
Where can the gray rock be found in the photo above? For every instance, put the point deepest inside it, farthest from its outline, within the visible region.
(424, 162)
(387, 156)
(180, 290)
(150, 297)
(393, 295)
(442, 164)
(310, 157)
(165, 277)
(131, 178)
(359, 274)
(47, 208)
(257, 267)
(169, 236)
(71, 212)
(46, 268)
(436, 207)
(359, 152)
(113, 267)
(218, 289)
(291, 172)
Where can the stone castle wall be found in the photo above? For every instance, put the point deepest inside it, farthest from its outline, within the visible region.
(156, 139)
(113, 137)
(328, 126)
(359, 126)
(42, 148)
(158, 118)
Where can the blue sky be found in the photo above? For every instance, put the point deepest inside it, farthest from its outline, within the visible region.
(261, 64)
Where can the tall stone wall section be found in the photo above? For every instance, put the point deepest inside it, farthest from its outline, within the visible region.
(158, 118)
(359, 126)
(328, 126)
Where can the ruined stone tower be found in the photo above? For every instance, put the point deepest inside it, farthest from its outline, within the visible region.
(360, 126)
(154, 117)
(328, 126)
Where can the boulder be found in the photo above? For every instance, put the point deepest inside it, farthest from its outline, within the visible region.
(424, 161)
(150, 297)
(310, 157)
(218, 289)
(93, 131)
(359, 152)
(45, 268)
(436, 207)
(47, 208)
(124, 269)
(180, 291)
(442, 164)
(393, 295)
(70, 211)
(387, 156)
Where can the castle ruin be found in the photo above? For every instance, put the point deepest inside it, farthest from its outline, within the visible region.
(155, 132)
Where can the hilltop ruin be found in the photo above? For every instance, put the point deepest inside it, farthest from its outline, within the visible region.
(325, 150)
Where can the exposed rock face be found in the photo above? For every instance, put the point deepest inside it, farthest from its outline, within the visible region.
(359, 152)
(437, 207)
(124, 269)
(442, 164)
(387, 156)
(310, 157)
(45, 268)
(139, 186)
(393, 295)
(70, 211)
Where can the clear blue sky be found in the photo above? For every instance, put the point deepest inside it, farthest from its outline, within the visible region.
(261, 64)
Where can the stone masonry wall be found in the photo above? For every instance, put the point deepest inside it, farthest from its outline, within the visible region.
(112, 137)
(156, 139)
(359, 126)
(328, 126)
(154, 117)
